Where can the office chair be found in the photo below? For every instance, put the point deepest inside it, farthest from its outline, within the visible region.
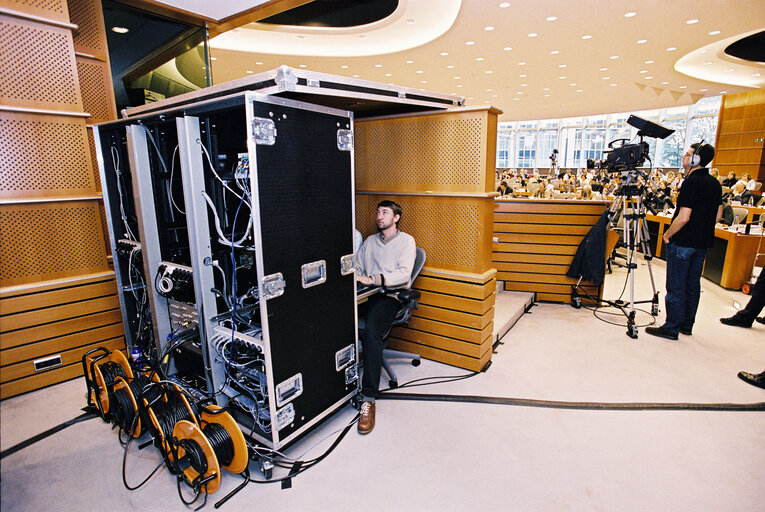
(408, 299)
(741, 213)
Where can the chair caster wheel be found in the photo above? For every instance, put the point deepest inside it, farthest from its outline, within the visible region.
(393, 384)
(416, 362)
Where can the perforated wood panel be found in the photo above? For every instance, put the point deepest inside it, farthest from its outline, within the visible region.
(97, 96)
(44, 156)
(50, 241)
(38, 68)
(455, 232)
(740, 132)
(51, 9)
(89, 36)
(442, 152)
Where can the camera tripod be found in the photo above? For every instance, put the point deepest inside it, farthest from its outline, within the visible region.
(629, 206)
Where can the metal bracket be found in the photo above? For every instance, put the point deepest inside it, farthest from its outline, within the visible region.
(313, 273)
(347, 264)
(273, 286)
(312, 82)
(289, 389)
(264, 131)
(344, 139)
(285, 78)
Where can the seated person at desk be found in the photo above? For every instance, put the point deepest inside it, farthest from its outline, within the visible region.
(385, 259)
(730, 180)
(504, 189)
(740, 193)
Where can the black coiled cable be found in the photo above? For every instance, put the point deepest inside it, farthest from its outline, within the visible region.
(110, 371)
(170, 413)
(221, 442)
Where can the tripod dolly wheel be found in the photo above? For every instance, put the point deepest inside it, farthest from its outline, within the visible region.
(746, 288)
(632, 331)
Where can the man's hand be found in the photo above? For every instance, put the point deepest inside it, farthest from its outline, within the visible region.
(365, 280)
(666, 240)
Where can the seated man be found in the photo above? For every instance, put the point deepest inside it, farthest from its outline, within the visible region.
(385, 259)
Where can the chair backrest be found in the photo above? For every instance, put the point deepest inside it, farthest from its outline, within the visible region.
(405, 311)
(741, 213)
(757, 186)
(419, 262)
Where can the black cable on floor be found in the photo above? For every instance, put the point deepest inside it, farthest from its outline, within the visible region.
(47, 433)
(554, 404)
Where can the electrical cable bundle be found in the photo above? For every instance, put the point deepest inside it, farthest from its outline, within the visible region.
(125, 403)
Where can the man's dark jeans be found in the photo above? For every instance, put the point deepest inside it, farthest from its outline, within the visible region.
(684, 266)
(378, 312)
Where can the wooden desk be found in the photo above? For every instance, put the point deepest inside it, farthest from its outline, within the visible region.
(729, 262)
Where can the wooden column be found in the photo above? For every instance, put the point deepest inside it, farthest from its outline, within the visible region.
(740, 144)
(439, 166)
(57, 292)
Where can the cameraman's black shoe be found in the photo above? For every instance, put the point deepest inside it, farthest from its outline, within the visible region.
(761, 319)
(755, 379)
(660, 332)
(687, 332)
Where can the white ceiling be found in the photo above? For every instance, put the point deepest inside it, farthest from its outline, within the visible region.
(590, 59)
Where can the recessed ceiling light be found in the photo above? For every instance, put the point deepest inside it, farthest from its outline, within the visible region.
(457, 77)
(460, 85)
(521, 63)
(387, 74)
(629, 14)
(524, 85)
(604, 69)
(683, 87)
(546, 89)
(546, 96)
(120, 30)
(517, 99)
(613, 85)
(249, 71)
(551, 18)
(410, 21)
(488, 29)
(729, 70)
(479, 59)
(572, 84)
(259, 63)
(756, 74)
(410, 62)
(606, 78)
(470, 43)
(648, 77)
(419, 71)
(587, 36)
(493, 95)
(561, 65)
(508, 48)
(355, 76)
(344, 66)
(671, 48)
(303, 66)
(555, 52)
(504, 5)
(578, 90)
(644, 71)
(424, 81)
(523, 76)
(664, 83)
(378, 65)
(519, 92)
(649, 62)
(532, 34)
(363, 36)
(489, 90)
(613, 57)
(488, 72)
(714, 32)
(703, 90)
(450, 66)
(642, 41)
(444, 53)
(691, 21)
(723, 92)
(562, 77)
(708, 63)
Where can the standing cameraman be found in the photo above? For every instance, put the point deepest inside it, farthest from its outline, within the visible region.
(692, 232)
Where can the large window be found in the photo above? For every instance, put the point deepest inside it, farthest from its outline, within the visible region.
(530, 143)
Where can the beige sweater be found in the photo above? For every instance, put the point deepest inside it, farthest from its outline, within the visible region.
(389, 262)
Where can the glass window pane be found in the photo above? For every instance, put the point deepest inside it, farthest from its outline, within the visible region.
(595, 120)
(546, 142)
(703, 128)
(672, 147)
(594, 139)
(570, 147)
(526, 148)
(505, 148)
(710, 105)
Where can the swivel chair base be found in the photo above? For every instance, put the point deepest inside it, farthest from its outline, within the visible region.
(390, 353)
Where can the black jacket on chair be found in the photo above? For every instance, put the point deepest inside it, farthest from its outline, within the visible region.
(589, 262)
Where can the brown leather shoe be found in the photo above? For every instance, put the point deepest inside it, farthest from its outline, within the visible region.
(367, 418)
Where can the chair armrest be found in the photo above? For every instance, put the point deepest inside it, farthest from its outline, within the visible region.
(407, 296)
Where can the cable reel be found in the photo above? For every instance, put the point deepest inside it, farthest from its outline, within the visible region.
(164, 412)
(201, 452)
(104, 371)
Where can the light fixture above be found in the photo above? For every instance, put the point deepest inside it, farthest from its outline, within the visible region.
(555, 52)
(470, 43)
(507, 48)
(533, 34)
(642, 41)
(120, 30)
(551, 18)
(504, 5)
(489, 28)
(671, 48)
(587, 36)
(629, 14)
(714, 32)
(691, 21)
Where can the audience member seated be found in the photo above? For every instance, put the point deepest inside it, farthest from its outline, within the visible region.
(730, 180)
(728, 216)
(504, 189)
(751, 184)
(739, 193)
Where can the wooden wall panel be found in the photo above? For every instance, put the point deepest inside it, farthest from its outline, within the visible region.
(535, 242)
(741, 135)
(453, 329)
(62, 319)
(439, 166)
(57, 292)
